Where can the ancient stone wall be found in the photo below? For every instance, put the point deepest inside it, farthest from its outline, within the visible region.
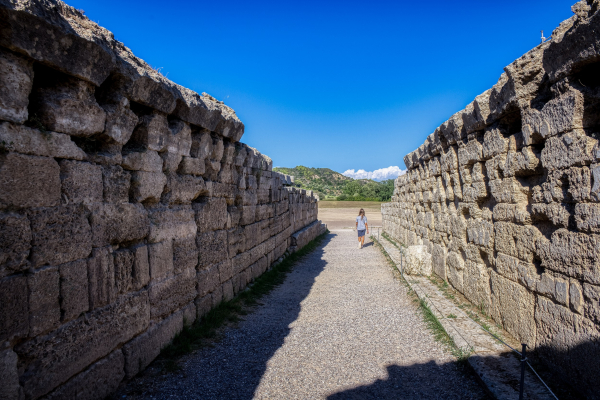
(505, 197)
(128, 206)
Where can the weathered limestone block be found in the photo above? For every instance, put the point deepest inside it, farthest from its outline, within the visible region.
(147, 186)
(60, 234)
(591, 294)
(481, 233)
(172, 293)
(116, 184)
(559, 115)
(494, 143)
(28, 181)
(234, 215)
(512, 213)
(571, 253)
(24, 140)
(120, 121)
(182, 189)
(74, 292)
(67, 105)
(152, 133)
(508, 190)
(16, 80)
(202, 144)
(587, 217)
(141, 267)
(558, 214)
(523, 163)
(517, 241)
(149, 161)
(14, 313)
(192, 166)
(123, 262)
(576, 297)
(15, 243)
(189, 314)
(570, 149)
(185, 254)
(9, 386)
(48, 361)
(180, 140)
(553, 288)
(96, 382)
(518, 271)
(568, 342)
(211, 214)
(101, 274)
(438, 258)
(160, 260)
(81, 182)
(513, 306)
(44, 294)
(236, 241)
(118, 223)
(579, 183)
(470, 153)
(171, 223)
(212, 247)
(142, 350)
(418, 261)
(476, 284)
(207, 279)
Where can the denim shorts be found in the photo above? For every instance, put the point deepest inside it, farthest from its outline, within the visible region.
(361, 232)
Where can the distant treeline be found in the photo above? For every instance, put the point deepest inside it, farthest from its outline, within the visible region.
(367, 190)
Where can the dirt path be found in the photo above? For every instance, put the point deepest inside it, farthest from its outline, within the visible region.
(339, 327)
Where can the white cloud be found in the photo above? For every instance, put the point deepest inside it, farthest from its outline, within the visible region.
(378, 175)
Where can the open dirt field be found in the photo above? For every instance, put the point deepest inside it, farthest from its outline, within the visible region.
(342, 214)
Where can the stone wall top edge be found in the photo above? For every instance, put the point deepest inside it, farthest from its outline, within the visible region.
(564, 54)
(62, 38)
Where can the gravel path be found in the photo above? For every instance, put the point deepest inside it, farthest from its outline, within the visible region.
(339, 327)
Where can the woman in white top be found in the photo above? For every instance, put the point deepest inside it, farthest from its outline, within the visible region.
(361, 227)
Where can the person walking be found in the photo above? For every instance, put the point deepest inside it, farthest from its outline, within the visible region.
(361, 227)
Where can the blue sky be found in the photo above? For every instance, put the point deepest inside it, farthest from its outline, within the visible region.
(342, 85)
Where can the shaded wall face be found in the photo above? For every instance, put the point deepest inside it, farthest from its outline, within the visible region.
(506, 197)
(128, 208)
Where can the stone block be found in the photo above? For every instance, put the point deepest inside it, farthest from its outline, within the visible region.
(29, 181)
(152, 132)
(24, 140)
(182, 189)
(568, 342)
(516, 240)
(68, 105)
(438, 259)
(587, 217)
(147, 187)
(201, 145)
(97, 382)
(44, 294)
(171, 294)
(74, 289)
(14, 313)
(557, 213)
(81, 182)
(116, 184)
(571, 149)
(580, 183)
(189, 314)
(120, 121)
(225, 270)
(9, 386)
(508, 190)
(513, 307)
(217, 296)
(123, 261)
(60, 234)
(248, 214)
(236, 241)
(160, 259)
(118, 223)
(142, 350)
(141, 267)
(476, 284)
(101, 274)
(192, 166)
(48, 361)
(16, 80)
(576, 297)
(212, 247)
(171, 162)
(148, 161)
(591, 295)
(418, 261)
(207, 279)
(227, 288)
(203, 305)
(180, 140)
(185, 254)
(573, 254)
(171, 223)
(15, 243)
(481, 233)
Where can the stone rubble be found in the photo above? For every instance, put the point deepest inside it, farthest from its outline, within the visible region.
(128, 206)
(505, 198)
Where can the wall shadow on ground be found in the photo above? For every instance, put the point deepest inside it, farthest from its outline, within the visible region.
(234, 368)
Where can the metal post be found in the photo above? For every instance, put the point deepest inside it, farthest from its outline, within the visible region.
(523, 360)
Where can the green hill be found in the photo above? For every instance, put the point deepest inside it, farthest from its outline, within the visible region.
(331, 185)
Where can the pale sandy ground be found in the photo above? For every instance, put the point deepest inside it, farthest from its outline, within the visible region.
(342, 214)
